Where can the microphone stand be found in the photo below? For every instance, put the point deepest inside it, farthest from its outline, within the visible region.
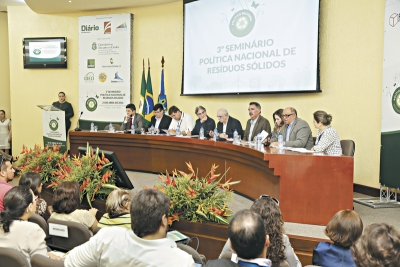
(77, 129)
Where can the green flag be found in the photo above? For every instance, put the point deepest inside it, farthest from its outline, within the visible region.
(142, 94)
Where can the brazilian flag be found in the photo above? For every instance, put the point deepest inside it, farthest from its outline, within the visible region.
(142, 94)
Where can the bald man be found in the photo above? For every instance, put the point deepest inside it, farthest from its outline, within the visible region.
(296, 132)
(227, 125)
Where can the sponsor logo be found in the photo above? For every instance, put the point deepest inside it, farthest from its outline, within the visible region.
(53, 124)
(91, 104)
(94, 46)
(89, 77)
(242, 23)
(117, 78)
(396, 100)
(111, 61)
(37, 51)
(107, 27)
(91, 63)
(89, 28)
(122, 27)
(102, 77)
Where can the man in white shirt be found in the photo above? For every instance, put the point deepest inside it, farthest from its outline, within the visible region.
(184, 120)
(144, 246)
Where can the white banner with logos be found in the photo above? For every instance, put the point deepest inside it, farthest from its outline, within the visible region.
(105, 67)
(53, 128)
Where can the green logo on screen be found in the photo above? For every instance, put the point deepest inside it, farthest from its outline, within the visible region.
(242, 23)
(91, 104)
(53, 125)
(396, 100)
(37, 51)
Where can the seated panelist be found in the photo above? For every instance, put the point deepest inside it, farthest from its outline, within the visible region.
(160, 120)
(227, 125)
(132, 118)
(328, 140)
(296, 132)
(257, 123)
(184, 120)
(204, 121)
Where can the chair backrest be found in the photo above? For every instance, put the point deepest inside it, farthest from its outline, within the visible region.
(348, 147)
(226, 255)
(36, 218)
(196, 256)
(12, 258)
(38, 260)
(77, 235)
(116, 127)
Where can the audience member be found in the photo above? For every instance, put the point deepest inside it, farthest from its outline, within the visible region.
(257, 123)
(117, 208)
(184, 120)
(378, 246)
(278, 124)
(67, 108)
(328, 140)
(132, 118)
(15, 231)
(34, 182)
(280, 249)
(249, 241)
(227, 125)
(6, 175)
(296, 132)
(160, 120)
(145, 245)
(343, 229)
(204, 121)
(5, 132)
(66, 201)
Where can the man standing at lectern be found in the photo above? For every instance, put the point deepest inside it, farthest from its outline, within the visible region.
(132, 118)
(296, 132)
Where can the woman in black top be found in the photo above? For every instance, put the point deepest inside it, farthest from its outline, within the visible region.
(67, 107)
(203, 120)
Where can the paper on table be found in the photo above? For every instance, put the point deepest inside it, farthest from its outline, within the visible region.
(264, 135)
(301, 150)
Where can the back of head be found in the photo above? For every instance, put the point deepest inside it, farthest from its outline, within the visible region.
(247, 234)
(3, 166)
(344, 228)
(271, 215)
(31, 180)
(118, 202)
(66, 198)
(15, 202)
(378, 246)
(147, 210)
(322, 117)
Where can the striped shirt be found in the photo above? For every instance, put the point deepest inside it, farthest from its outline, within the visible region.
(121, 220)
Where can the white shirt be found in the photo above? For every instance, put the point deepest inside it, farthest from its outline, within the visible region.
(186, 122)
(252, 123)
(158, 120)
(25, 237)
(119, 247)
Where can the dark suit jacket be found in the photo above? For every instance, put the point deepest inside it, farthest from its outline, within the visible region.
(300, 135)
(329, 255)
(230, 127)
(208, 125)
(164, 123)
(137, 121)
(261, 124)
(222, 263)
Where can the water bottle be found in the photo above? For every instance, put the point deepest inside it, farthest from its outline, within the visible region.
(152, 129)
(178, 130)
(215, 134)
(92, 127)
(259, 139)
(133, 129)
(235, 137)
(280, 140)
(201, 135)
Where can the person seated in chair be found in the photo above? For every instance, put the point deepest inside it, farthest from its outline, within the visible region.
(117, 208)
(248, 239)
(132, 118)
(160, 121)
(144, 245)
(34, 182)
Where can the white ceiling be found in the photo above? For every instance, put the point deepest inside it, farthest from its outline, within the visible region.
(65, 6)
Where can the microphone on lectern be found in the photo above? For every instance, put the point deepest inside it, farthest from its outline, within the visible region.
(77, 129)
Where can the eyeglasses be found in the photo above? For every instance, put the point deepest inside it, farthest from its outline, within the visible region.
(266, 196)
(201, 113)
(287, 115)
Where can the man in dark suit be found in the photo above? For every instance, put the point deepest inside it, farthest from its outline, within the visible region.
(257, 123)
(248, 240)
(160, 120)
(132, 118)
(227, 125)
(296, 132)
